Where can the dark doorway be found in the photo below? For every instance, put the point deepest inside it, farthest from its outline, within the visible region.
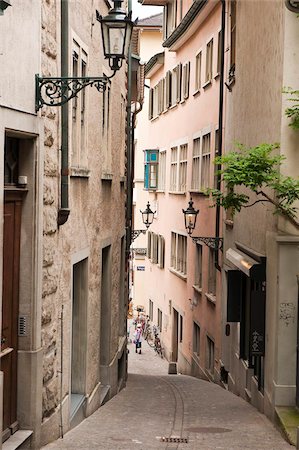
(175, 335)
(10, 307)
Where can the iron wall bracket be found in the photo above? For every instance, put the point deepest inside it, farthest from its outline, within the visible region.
(56, 91)
(213, 242)
(136, 233)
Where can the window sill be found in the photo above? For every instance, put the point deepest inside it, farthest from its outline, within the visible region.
(177, 192)
(196, 93)
(217, 76)
(150, 189)
(211, 298)
(79, 172)
(198, 192)
(106, 176)
(207, 84)
(173, 106)
(160, 191)
(178, 274)
(197, 289)
(122, 179)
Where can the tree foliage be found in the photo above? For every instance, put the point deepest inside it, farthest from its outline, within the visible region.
(293, 111)
(256, 168)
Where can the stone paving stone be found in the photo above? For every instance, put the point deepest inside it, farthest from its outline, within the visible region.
(155, 404)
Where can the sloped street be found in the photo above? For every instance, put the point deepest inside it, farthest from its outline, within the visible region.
(156, 405)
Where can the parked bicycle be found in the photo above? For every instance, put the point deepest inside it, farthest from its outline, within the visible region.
(158, 346)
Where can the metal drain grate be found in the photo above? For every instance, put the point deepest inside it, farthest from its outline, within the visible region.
(176, 440)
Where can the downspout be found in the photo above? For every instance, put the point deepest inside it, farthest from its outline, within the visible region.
(220, 126)
(128, 218)
(64, 211)
(129, 151)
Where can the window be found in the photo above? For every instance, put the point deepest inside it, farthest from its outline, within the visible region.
(107, 162)
(151, 158)
(216, 154)
(209, 61)
(183, 168)
(78, 130)
(178, 168)
(170, 14)
(151, 310)
(233, 17)
(176, 85)
(150, 104)
(210, 355)
(219, 52)
(156, 249)
(205, 161)
(195, 183)
(181, 329)
(160, 319)
(168, 89)
(149, 244)
(198, 59)
(161, 252)
(198, 267)
(179, 253)
(186, 80)
(212, 272)
(196, 339)
(162, 171)
(173, 168)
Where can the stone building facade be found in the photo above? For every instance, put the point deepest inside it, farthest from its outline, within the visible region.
(261, 260)
(69, 347)
(181, 279)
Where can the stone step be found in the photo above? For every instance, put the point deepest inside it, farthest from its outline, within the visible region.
(105, 391)
(20, 439)
(287, 418)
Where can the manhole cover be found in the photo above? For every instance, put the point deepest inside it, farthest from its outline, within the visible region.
(208, 430)
(176, 440)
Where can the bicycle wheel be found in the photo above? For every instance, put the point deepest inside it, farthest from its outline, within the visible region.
(150, 340)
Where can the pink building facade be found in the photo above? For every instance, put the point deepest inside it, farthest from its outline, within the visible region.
(181, 280)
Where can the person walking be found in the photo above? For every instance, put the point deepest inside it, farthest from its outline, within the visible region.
(138, 338)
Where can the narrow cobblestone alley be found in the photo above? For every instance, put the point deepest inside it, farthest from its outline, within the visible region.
(156, 405)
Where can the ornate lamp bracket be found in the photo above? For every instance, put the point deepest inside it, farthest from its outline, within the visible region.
(136, 233)
(56, 91)
(213, 242)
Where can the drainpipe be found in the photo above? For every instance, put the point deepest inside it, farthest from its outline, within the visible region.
(64, 211)
(220, 125)
(130, 144)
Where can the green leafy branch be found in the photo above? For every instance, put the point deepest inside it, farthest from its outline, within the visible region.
(293, 111)
(258, 170)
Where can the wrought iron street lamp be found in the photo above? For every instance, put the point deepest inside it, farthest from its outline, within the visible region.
(116, 32)
(190, 216)
(147, 215)
(147, 219)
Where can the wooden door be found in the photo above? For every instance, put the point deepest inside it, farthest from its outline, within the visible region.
(10, 307)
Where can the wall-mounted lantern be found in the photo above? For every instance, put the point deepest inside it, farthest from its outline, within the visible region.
(147, 219)
(190, 216)
(116, 32)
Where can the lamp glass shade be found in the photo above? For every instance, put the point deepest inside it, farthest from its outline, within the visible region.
(190, 216)
(116, 34)
(147, 216)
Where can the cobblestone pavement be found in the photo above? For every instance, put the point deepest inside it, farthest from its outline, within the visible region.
(155, 405)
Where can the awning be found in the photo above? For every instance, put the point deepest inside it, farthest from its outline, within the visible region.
(251, 267)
